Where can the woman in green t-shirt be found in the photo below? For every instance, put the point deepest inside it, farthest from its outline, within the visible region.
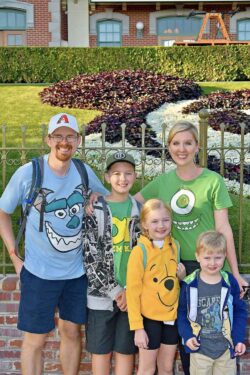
(198, 197)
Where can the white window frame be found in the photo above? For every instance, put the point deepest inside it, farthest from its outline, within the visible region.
(20, 5)
(109, 15)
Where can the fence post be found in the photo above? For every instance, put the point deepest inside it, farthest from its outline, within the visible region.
(23, 153)
(203, 127)
(83, 145)
(4, 156)
(143, 153)
(163, 155)
(241, 200)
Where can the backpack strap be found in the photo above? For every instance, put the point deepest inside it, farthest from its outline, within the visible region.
(178, 250)
(36, 183)
(80, 166)
(105, 213)
(139, 205)
(144, 253)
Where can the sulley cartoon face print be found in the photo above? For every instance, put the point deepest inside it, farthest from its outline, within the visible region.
(182, 203)
(63, 219)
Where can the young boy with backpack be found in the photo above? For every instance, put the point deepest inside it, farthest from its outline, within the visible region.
(111, 233)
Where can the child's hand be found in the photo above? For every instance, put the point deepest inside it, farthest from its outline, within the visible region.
(121, 300)
(240, 349)
(181, 271)
(89, 209)
(193, 344)
(141, 339)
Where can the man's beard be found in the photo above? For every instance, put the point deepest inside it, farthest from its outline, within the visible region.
(63, 157)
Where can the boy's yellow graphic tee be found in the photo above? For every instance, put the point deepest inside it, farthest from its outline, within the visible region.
(121, 216)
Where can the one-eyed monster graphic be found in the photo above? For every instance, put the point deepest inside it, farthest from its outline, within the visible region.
(182, 203)
(65, 214)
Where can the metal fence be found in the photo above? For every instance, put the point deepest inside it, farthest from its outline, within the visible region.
(155, 158)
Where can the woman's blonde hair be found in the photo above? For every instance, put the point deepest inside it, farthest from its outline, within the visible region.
(212, 242)
(151, 205)
(182, 126)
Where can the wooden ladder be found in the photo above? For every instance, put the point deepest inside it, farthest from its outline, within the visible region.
(219, 19)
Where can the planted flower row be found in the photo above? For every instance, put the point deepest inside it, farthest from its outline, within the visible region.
(135, 97)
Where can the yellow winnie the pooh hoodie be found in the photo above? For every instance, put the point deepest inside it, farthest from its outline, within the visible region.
(152, 284)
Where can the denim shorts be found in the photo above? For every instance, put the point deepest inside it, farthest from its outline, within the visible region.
(108, 331)
(41, 298)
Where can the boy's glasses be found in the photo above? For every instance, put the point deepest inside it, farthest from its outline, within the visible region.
(59, 138)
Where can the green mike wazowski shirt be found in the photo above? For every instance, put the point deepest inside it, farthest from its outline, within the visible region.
(193, 204)
(121, 216)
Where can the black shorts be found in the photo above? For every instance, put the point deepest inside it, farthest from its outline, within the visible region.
(160, 333)
(108, 331)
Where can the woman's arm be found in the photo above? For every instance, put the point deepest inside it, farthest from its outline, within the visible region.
(223, 226)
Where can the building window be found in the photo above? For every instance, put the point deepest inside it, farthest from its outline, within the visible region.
(11, 19)
(109, 33)
(178, 26)
(12, 27)
(243, 29)
(15, 40)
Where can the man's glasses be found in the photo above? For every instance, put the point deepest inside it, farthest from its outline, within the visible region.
(59, 138)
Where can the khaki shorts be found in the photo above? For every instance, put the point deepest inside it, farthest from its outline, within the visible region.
(202, 365)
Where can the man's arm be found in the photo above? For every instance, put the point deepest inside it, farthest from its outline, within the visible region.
(94, 183)
(138, 196)
(7, 234)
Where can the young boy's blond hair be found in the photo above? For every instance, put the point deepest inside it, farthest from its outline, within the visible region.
(212, 242)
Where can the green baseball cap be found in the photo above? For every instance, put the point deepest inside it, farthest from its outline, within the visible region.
(119, 156)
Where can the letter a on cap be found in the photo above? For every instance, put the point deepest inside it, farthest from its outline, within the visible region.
(64, 119)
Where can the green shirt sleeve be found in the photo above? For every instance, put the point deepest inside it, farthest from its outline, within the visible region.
(151, 190)
(221, 198)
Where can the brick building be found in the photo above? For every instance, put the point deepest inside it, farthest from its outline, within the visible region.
(83, 23)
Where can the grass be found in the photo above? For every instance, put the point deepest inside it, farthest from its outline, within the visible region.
(21, 105)
(208, 87)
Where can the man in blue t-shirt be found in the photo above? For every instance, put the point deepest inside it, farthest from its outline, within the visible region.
(52, 275)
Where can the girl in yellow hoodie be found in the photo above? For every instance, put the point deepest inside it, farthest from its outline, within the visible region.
(153, 290)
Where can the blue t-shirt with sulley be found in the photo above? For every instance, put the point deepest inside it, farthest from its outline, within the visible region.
(56, 252)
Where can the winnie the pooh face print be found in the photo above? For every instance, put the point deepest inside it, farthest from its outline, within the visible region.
(164, 282)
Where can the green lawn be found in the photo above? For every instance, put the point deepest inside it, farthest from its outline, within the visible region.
(21, 105)
(208, 87)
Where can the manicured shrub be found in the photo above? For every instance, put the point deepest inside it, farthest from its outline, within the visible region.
(231, 118)
(239, 99)
(123, 96)
(200, 63)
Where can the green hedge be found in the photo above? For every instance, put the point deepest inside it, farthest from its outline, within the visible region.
(207, 63)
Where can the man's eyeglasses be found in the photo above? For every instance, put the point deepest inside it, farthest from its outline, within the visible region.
(59, 138)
